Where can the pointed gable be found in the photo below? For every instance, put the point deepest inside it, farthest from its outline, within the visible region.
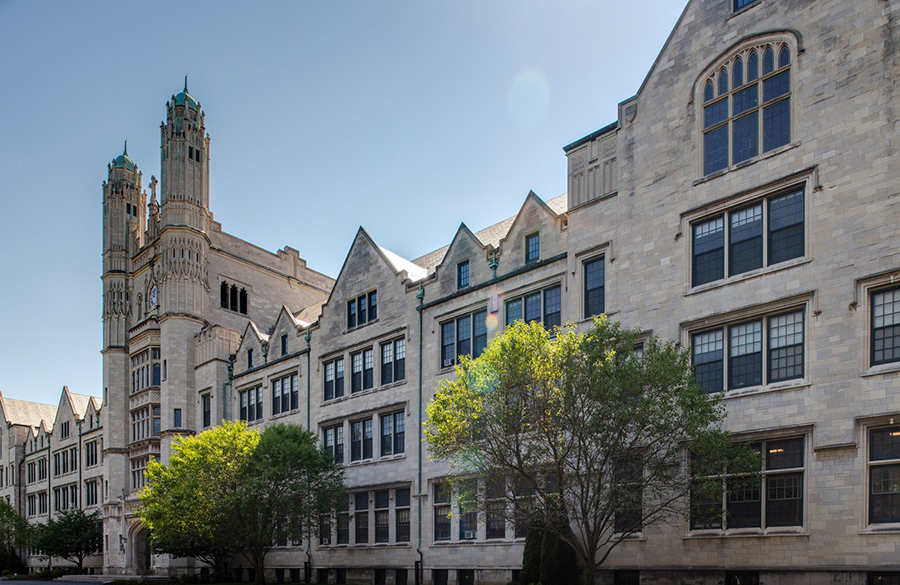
(464, 248)
(535, 217)
(251, 341)
(285, 327)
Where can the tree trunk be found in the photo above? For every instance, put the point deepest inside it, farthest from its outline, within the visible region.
(589, 574)
(259, 565)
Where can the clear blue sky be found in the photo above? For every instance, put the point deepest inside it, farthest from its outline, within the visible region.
(406, 117)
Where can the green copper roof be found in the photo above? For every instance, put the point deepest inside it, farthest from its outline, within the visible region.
(124, 161)
(184, 98)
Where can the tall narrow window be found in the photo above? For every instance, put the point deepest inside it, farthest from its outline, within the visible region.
(401, 508)
(594, 287)
(884, 475)
(338, 377)
(329, 380)
(745, 355)
(448, 344)
(243, 302)
(709, 251)
(351, 314)
(552, 307)
(284, 344)
(462, 274)
(786, 346)
(532, 247)
(206, 408)
(382, 515)
(368, 369)
(361, 517)
(746, 240)
(387, 363)
(708, 359)
(479, 326)
(441, 512)
(356, 374)
(373, 305)
(885, 336)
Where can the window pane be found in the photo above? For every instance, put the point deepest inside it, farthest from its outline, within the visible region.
(479, 322)
(351, 314)
(723, 82)
(784, 500)
(552, 307)
(768, 61)
(884, 444)
(737, 73)
(399, 432)
(784, 454)
(513, 311)
(709, 251)
(594, 287)
(706, 506)
(715, 113)
(532, 247)
(745, 355)
(786, 227)
(708, 360)
(777, 86)
(886, 326)
(745, 137)
(744, 503)
(448, 344)
(533, 307)
(752, 67)
(708, 92)
(746, 252)
(776, 124)
(464, 336)
(784, 57)
(786, 347)
(746, 99)
(715, 150)
(884, 502)
(373, 305)
(387, 435)
(462, 274)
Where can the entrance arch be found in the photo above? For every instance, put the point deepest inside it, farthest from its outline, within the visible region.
(139, 550)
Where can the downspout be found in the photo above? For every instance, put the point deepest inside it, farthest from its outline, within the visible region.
(308, 339)
(420, 295)
(80, 489)
(226, 388)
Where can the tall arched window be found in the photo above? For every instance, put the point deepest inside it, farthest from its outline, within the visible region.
(751, 116)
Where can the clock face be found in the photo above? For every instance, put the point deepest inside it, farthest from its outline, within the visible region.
(153, 298)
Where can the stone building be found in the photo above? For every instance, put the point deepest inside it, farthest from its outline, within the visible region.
(744, 203)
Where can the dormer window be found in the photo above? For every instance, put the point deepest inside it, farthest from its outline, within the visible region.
(284, 344)
(462, 274)
(361, 310)
(532, 247)
(249, 358)
(747, 101)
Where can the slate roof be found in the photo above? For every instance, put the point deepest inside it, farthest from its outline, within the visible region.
(489, 235)
(23, 412)
(309, 315)
(80, 403)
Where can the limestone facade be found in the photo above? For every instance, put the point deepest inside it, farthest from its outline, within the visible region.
(744, 203)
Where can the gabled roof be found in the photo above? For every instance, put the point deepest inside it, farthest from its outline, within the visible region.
(23, 412)
(414, 271)
(305, 317)
(491, 235)
(78, 402)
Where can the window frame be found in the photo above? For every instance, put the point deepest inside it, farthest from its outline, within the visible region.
(727, 216)
(587, 311)
(453, 348)
(362, 310)
(396, 440)
(462, 274)
(337, 382)
(873, 464)
(894, 290)
(763, 489)
(724, 68)
(532, 254)
(523, 300)
(765, 319)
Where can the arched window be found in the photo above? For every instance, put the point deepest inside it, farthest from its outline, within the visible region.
(223, 295)
(243, 301)
(234, 298)
(752, 116)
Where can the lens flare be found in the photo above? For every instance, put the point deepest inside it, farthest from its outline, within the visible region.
(528, 100)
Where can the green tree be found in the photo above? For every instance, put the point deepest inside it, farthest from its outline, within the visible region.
(290, 482)
(72, 535)
(587, 437)
(188, 502)
(13, 535)
(531, 557)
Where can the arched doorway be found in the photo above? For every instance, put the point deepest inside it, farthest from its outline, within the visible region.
(140, 550)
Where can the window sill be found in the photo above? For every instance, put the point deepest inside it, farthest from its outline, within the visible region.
(798, 384)
(363, 392)
(879, 529)
(749, 162)
(881, 369)
(280, 414)
(787, 264)
(366, 324)
(393, 457)
(639, 537)
(744, 9)
(746, 533)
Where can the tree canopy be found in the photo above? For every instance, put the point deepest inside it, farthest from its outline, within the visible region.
(71, 535)
(231, 490)
(186, 505)
(578, 432)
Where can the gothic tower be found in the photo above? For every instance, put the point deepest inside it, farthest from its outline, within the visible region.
(183, 257)
(124, 220)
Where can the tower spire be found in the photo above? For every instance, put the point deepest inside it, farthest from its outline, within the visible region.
(185, 83)
(125, 152)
